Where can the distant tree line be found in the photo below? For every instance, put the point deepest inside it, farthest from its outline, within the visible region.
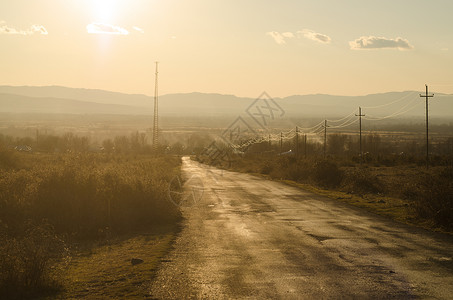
(375, 147)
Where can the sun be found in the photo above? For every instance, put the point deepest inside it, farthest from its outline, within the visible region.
(106, 10)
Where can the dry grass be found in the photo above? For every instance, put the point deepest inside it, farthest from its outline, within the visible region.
(397, 209)
(106, 271)
(76, 198)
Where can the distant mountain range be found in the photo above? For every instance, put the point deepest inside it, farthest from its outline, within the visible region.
(63, 100)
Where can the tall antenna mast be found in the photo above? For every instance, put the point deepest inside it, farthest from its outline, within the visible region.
(156, 112)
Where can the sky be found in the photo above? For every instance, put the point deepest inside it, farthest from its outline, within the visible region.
(287, 47)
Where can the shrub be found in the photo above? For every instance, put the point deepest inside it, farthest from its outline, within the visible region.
(434, 199)
(361, 181)
(8, 159)
(327, 174)
(266, 168)
(26, 261)
(84, 199)
(298, 172)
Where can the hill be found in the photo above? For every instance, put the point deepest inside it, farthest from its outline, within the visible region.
(56, 99)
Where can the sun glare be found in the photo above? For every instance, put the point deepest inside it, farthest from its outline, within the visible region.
(105, 10)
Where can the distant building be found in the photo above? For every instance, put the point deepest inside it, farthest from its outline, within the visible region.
(290, 152)
(23, 148)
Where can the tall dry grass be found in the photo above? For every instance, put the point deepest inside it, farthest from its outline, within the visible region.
(434, 197)
(47, 199)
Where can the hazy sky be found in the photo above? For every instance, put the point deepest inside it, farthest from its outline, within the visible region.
(347, 47)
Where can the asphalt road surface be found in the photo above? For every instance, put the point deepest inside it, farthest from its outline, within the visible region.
(246, 237)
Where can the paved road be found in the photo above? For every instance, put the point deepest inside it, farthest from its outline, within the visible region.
(256, 239)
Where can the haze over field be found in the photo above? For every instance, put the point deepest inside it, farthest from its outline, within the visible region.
(64, 100)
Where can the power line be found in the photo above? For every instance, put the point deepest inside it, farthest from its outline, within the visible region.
(338, 120)
(311, 129)
(390, 103)
(402, 111)
(348, 120)
(347, 123)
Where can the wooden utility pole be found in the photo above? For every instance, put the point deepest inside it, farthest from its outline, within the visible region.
(360, 135)
(297, 142)
(281, 142)
(427, 96)
(305, 145)
(325, 138)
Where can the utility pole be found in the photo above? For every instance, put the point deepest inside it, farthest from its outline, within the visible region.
(360, 129)
(297, 142)
(305, 145)
(281, 142)
(269, 142)
(427, 96)
(156, 112)
(325, 137)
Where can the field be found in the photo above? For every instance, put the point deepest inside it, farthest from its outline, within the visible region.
(91, 195)
(65, 217)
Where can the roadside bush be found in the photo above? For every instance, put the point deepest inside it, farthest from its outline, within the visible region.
(8, 159)
(327, 174)
(361, 181)
(434, 199)
(266, 168)
(28, 262)
(84, 199)
(298, 172)
(286, 161)
(388, 161)
(407, 190)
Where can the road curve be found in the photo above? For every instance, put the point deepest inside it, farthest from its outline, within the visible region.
(258, 239)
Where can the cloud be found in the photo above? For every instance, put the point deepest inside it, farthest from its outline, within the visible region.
(315, 36)
(4, 29)
(102, 28)
(278, 37)
(281, 38)
(138, 29)
(34, 29)
(39, 29)
(288, 35)
(373, 42)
